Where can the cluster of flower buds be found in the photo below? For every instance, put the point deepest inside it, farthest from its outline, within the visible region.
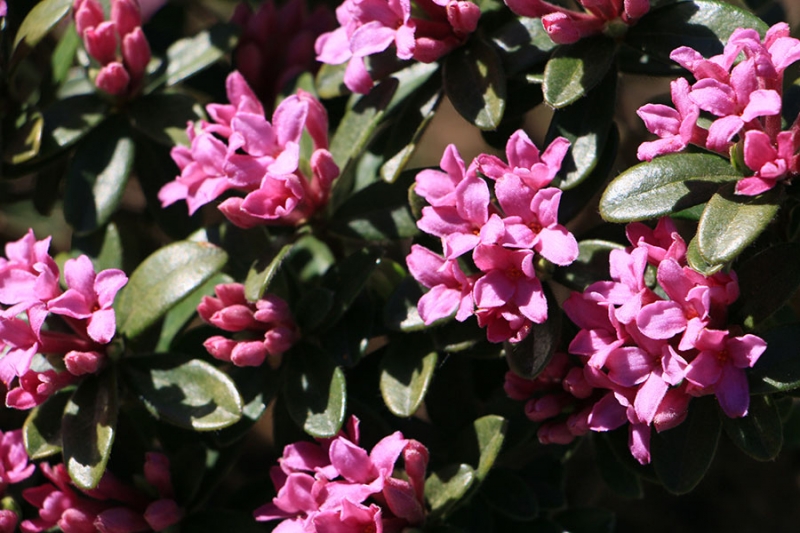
(645, 352)
(335, 485)
(118, 45)
(505, 237)
(113, 506)
(746, 100)
(241, 151)
(566, 26)
(277, 44)
(425, 32)
(81, 320)
(268, 320)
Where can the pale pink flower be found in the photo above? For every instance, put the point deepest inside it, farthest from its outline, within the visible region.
(451, 289)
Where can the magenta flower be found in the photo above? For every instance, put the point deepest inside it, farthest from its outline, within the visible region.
(14, 466)
(451, 289)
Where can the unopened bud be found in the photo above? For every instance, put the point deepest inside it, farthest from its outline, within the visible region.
(88, 14)
(113, 78)
(136, 53)
(101, 42)
(126, 14)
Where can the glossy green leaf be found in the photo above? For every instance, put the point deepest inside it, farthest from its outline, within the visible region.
(703, 25)
(445, 487)
(406, 373)
(41, 431)
(586, 125)
(698, 262)
(509, 494)
(312, 308)
(522, 43)
(586, 520)
(37, 24)
(310, 259)
(64, 54)
(682, 455)
(192, 395)
(475, 83)
(664, 185)
(97, 175)
(489, 433)
(315, 391)
(162, 280)
(615, 474)
(257, 387)
(590, 266)
(730, 222)
(189, 56)
(575, 69)
(778, 368)
(259, 279)
(401, 313)
(163, 116)
(25, 142)
(530, 356)
(759, 434)
(776, 268)
(104, 248)
(88, 429)
(348, 277)
(330, 81)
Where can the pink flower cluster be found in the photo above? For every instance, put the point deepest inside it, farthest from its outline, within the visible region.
(335, 486)
(277, 44)
(425, 31)
(29, 284)
(242, 151)
(745, 99)
(505, 238)
(644, 352)
(268, 320)
(112, 507)
(566, 26)
(118, 45)
(14, 468)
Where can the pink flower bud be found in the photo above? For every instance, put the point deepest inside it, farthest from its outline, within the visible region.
(279, 339)
(126, 14)
(136, 53)
(555, 433)
(234, 318)
(248, 353)
(8, 521)
(463, 17)
(113, 78)
(402, 501)
(156, 472)
(78, 521)
(415, 457)
(220, 347)
(575, 383)
(80, 363)
(120, 520)
(163, 513)
(88, 14)
(101, 42)
(540, 409)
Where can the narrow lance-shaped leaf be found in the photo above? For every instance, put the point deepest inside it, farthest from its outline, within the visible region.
(406, 372)
(88, 429)
(41, 431)
(162, 280)
(731, 222)
(665, 185)
(192, 395)
(315, 391)
(189, 56)
(575, 69)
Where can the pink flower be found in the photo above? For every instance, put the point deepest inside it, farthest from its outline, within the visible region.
(677, 128)
(14, 466)
(451, 289)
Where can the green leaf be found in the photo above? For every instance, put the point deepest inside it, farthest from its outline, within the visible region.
(664, 185)
(88, 429)
(445, 487)
(475, 83)
(730, 222)
(703, 25)
(759, 434)
(509, 494)
(590, 266)
(41, 431)
(330, 81)
(37, 24)
(406, 373)
(778, 368)
(315, 391)
(186, 57)
(192, 395)
(259, 280)
(682, 455)
(347, 279)
(530, 356)
(586, 520)
(258, 387)
(401, 313)
(97, 175)
(776, 268)
(162, 280)
(64, 54)
(312, 308)
(697, 262)
(163, 116)
(586, 125)
(575, 69)
(613, 471)
(216, 520)
(522, 43)
(488, 433)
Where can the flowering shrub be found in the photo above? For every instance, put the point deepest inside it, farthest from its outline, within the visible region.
(412, 267)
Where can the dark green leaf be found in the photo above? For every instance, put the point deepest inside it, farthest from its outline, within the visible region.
(586, 125)
(310, 259)
(575, 69)
(759, 434)
(315, 391)
(312, 308)
(778, 368)
(475, 83)
(103, 248)
(698, 262)
(88, 429)
(703, 25)
(509, 494)
(613, 471)
(97, 175)
(586, 520)
(189, 56)
(163, 116)
(192, 395)
(259, 279)
(776, 268)
(522, 43)
(682, 455)
(37, 24)
(216, 520)
(42, 429)
(162, 280)
(258, 387)
(445, 487)
(730, 222)
(25, 142)
(330, 81)
(64, 54)
(347, 279)
(488, 433)
(406, 372)
(590, 266)
(530, 356)
(664, 185)
(401, 313)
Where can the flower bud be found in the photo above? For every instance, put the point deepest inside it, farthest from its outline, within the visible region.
(248, 353)
(118, 520)
(8, 521)
(163, 513)
(575, 383)
(136, 53)
(113, 78)
(126, 14)
(463, 17)
(88, 14)
(220, 347)
(101, 42)
(156, 472)
(80, 363)
(279, 339)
